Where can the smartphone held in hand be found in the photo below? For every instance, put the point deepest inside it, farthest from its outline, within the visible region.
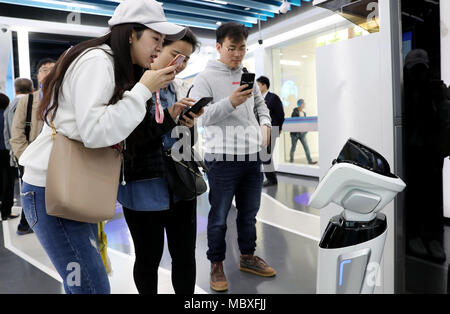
(249, 79)
(178, 61)
(196, 107)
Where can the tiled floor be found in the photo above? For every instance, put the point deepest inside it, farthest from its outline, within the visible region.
(286, 244)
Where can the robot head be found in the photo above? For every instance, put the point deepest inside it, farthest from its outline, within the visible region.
(360, 181)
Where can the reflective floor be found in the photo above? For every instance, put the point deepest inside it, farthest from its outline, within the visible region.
(294, 192)
(287, 229)
(423, 276)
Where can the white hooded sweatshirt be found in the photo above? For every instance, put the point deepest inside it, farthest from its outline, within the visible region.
(83, 114)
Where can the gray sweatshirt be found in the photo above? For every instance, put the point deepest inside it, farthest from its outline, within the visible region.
(8, 117)
(229, 130)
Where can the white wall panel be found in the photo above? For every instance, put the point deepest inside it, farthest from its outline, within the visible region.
(5, 53)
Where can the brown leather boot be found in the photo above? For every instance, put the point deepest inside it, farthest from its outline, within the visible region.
(218, 281)
(256, 265)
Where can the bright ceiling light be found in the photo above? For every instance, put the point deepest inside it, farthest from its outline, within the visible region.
(290, 63)
(299, 31)
(24, 53)
(304, 30)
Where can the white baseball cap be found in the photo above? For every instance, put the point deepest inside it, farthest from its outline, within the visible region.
(149, 13)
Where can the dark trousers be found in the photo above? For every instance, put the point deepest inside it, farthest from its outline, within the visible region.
(7, 182)
(227, 179)
(269, 169)
(147, 231)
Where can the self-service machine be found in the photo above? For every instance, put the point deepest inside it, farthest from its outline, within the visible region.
(350, 251)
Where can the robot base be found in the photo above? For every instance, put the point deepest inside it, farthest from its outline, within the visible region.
(351, 269)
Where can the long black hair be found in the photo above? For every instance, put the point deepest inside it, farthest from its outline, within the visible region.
(125, 73)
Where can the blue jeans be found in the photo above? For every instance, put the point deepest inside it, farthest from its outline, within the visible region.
(302, 137)
(71, 245)
(227, 179)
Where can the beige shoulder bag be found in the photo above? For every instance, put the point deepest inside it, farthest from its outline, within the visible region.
(82, 182)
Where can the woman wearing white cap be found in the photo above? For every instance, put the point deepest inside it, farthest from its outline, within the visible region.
(97, 93)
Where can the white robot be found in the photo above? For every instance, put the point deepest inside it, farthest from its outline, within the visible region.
(352, 246)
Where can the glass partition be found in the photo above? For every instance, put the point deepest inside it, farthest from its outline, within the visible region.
(294, 80)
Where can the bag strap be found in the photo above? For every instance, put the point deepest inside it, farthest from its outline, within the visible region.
(53, 130)
(28, 119)
(198, 161)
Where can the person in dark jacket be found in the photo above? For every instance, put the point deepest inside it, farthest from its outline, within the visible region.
(275, 106)
(425, 141)
(6, 174)
(150, 205)
(300, 136)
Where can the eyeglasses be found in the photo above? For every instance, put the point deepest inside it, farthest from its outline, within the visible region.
(241, 50)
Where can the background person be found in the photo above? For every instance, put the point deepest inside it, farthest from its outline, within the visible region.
(277, 115)
(22, 87)
(7, 191)
(300, 136)
(23, 134)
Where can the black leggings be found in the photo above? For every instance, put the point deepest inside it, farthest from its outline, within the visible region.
(147, 231)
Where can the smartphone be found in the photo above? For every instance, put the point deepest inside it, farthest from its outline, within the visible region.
(196, 107)
(178, 60)
(248, 78)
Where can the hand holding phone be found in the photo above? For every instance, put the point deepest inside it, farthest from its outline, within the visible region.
(240, 95)
(156, 79)
(177, 61)
(196, 107)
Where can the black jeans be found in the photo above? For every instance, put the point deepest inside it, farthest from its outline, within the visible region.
(147, 231)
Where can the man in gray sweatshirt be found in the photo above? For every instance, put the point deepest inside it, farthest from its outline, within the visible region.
(233, 140)
(22, 87)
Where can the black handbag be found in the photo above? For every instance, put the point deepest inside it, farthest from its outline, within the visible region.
(184, 177)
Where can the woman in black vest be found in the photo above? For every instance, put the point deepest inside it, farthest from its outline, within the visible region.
(150, 205)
